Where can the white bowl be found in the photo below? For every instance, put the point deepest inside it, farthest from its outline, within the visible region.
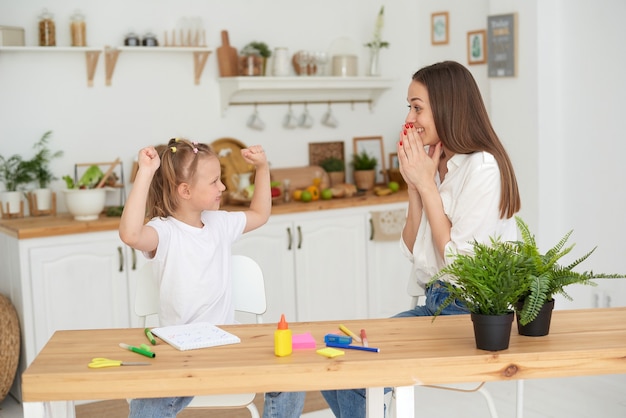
(85, 204)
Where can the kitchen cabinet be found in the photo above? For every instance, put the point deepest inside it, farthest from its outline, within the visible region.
(322, 266)
(75, 281)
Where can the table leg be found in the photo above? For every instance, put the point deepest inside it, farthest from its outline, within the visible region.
(405, 402)
(519, 413)
(375, 402)
(57, 409)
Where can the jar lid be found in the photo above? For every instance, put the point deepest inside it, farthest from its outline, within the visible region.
(78, 15)
(46, 15)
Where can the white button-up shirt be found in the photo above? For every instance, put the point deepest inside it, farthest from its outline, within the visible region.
(470, 194)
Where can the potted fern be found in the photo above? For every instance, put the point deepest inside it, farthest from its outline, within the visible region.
(336, 169)
(364, 166)
(489, 282)
(548, 278)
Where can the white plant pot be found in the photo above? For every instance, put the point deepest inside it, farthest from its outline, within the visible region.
(85, 204)
(44, 199)
(12, 201)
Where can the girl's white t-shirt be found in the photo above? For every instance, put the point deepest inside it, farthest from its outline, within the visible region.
(194, 266)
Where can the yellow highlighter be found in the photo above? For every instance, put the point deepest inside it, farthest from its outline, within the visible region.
(349, 333)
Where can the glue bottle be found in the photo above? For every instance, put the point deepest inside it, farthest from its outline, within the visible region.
(282, 338)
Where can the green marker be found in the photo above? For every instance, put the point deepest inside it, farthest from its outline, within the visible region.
(150, 336)
(138, 350)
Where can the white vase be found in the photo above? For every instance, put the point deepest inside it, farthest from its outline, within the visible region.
(44, 199)
(11, 202)
(374, 62)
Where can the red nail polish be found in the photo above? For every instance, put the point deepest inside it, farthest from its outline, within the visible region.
(406, 125)
(411, 124)
(400, 143)
(405, 131)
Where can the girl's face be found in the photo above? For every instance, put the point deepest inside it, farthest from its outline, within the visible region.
(420, 113)
(207, 187)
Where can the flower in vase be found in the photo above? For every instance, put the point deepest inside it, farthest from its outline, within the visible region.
(377, 42)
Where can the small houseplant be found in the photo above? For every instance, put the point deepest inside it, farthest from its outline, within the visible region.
(548, 278)
(336, 169)
(488, 282)
(14, 173)
(41, 199)
(364, 166)
(84, 198)
(254, 58)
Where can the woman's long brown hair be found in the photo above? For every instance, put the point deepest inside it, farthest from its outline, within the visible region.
(463, 124)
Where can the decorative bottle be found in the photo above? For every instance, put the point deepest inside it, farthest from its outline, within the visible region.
(282, 338)
(78, 29)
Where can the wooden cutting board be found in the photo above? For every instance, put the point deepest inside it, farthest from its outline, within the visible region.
(301, 177)
(227, 57)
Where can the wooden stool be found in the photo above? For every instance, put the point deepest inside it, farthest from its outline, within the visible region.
(9, 345)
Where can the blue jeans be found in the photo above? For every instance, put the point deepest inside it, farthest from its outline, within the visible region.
(277, 405)
(350, 403)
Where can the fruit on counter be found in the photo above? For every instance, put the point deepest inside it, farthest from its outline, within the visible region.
(326, 194)
(343, 190)
(248, 192)
(394, 186)
(275, 183)
(382, 191)
(315, 192)
(276, 191)
(306, 196)
(297, 194)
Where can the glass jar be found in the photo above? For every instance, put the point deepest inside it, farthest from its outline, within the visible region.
(132, 39)
(78, 29)
(150, 39)
(47, 29)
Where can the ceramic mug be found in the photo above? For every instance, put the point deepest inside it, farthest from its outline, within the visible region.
(329, 120)
(290, 121)
(255, 122)
(306, 120)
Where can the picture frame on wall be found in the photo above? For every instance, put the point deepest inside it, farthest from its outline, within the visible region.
(373, 145)
(477, 47)
(439, 28)
(502, 45)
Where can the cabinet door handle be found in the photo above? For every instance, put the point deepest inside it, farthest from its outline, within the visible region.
(134, 258)
(121, 257)
(299, 237)
(289, 238)
(371, 229)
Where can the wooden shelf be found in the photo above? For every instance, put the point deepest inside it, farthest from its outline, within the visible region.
(300, 89)
(92, 54)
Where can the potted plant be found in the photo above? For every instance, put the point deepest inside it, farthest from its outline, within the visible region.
(86, 198)
(336, 169)
(41, 198)
(364, 166)
(548, 278)
(254, 58)
(14, 173)
(489, 282)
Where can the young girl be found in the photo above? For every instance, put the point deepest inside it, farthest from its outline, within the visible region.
(190, 240)
(461, 187)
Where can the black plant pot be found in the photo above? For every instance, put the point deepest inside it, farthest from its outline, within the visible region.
(492, 332)
(539, 326)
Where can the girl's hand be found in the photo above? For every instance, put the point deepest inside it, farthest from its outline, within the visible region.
(418, 167)
(254, 155)
(149, 158)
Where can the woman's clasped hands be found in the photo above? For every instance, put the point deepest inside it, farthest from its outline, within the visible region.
(418, 165)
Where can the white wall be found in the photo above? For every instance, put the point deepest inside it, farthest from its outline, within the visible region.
(560, 118)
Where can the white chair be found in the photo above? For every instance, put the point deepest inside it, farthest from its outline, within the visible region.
(416, 292)
(248, 297)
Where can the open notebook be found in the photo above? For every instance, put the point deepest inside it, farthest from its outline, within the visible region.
(193, 336)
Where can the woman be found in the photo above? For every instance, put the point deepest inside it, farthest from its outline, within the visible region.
(461, 187)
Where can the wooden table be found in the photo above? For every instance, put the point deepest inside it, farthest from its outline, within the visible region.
(414, 351)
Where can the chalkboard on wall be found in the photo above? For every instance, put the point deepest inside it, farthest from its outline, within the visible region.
(502, 45)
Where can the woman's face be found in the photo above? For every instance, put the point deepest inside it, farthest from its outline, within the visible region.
(420, 113)
(207, 186)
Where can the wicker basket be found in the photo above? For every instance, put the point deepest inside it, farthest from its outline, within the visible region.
(9, 345)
